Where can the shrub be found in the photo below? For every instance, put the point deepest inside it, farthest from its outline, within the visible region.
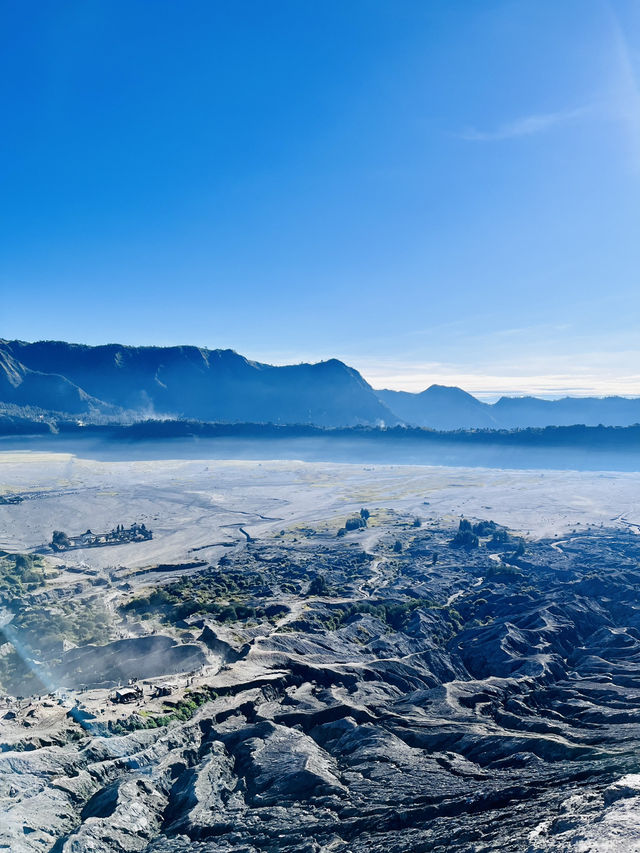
(465, 539)
(484, 528)
(318, 585)
(60, 539)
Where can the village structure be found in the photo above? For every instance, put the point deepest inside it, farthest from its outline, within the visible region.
(117, 536)
(135, 691)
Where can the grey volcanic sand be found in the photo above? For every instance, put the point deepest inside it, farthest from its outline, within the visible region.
(191, 504)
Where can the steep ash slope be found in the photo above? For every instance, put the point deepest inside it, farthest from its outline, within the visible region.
(25, 387)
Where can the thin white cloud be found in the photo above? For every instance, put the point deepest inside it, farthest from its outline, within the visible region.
(624, 93)
(492, 386)
(576, 374)
(525, 126)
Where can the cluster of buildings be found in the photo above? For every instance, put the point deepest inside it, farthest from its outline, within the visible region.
(132, 692)
(88, 539)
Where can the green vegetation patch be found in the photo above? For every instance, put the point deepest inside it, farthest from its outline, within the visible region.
(181, 710)
(19, 574)
(42, 628)
(227, 596)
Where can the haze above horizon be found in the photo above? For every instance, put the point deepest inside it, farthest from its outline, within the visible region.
(432, 193)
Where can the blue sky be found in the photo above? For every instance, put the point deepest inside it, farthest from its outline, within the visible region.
(432, 191)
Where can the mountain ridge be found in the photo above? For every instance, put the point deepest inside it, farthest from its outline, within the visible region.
(190, 382)
(184, 382)
(449, 407)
